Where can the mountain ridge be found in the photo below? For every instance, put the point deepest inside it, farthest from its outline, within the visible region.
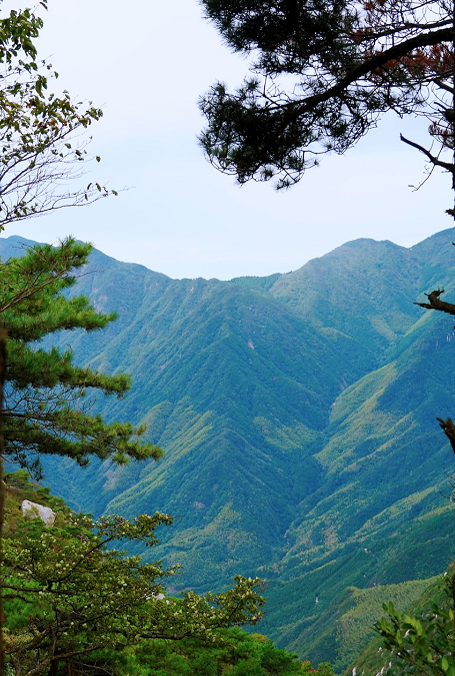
(297, 413)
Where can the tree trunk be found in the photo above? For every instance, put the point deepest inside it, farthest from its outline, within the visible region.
(53, 668)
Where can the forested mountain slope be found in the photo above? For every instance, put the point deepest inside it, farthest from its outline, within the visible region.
(298, 416)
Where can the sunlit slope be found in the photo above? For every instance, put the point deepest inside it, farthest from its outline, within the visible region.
(363, 289)
(383, 454)
(382, 514)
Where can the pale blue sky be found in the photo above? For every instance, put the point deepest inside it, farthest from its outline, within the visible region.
(146, 64)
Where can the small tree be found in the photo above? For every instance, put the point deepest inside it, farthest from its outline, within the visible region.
(68, 594)
(41, 146)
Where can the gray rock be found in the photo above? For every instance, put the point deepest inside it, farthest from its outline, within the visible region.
(33, 509)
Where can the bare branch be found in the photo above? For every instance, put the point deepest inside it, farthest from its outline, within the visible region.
(436, 304)
(449, 430)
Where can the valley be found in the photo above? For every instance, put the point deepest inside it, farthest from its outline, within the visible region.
(297, 413)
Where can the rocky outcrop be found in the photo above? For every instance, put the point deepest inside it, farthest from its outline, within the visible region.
(33, 509)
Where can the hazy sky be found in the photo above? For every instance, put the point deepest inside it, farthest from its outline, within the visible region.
(146, 63)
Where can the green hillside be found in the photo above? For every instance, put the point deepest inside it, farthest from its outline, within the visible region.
(298, 417)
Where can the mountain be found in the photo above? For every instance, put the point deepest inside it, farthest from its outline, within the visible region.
(298, 417)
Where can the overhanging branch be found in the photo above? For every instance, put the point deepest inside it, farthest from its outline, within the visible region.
(397, 51)
(449, 430)
(436, 304)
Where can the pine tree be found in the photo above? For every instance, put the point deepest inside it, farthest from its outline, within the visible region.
(47, 397)
(45, 408)
(321, 74)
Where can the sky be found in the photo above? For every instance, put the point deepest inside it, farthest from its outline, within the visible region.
(146, 63)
